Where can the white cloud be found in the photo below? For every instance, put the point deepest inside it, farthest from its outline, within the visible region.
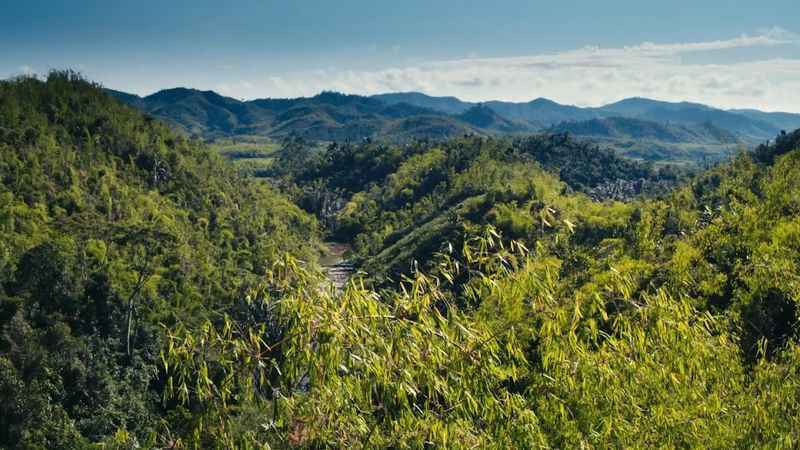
(584, 76)
(771, 37)
(26, 70)
(235, 89)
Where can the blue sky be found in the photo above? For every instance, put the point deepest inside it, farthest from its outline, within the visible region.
(726, 53)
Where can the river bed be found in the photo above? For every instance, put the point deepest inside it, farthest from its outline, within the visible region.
(336, 267)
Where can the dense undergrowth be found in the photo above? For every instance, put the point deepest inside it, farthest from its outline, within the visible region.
(151, 298)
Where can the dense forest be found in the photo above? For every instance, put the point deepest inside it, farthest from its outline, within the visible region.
(113, 228)
(513, 292)
(398, 204)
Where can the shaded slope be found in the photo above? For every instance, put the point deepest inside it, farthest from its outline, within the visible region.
(484, 117)
(628, 128)
(449, 105)
(686, 112)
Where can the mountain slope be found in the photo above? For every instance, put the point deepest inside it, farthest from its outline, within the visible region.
(541, 111)
(448, 105)
(751, 128)
(654, 141)
(484, 117)
(784, 121)
(629, 128)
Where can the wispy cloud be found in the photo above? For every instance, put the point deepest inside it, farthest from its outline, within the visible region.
(586, 76)
(769, 37)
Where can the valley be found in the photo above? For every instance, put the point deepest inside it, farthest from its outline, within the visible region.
(171, 284)
(416, 225)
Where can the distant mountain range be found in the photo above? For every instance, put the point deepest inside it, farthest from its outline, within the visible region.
(541, 112)
(328, 116)
(638, 127)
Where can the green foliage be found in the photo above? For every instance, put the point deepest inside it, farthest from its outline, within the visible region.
(112, 225)
(529, 367)
(152, 298)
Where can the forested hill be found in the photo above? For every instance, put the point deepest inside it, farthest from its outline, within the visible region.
(112, 226)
